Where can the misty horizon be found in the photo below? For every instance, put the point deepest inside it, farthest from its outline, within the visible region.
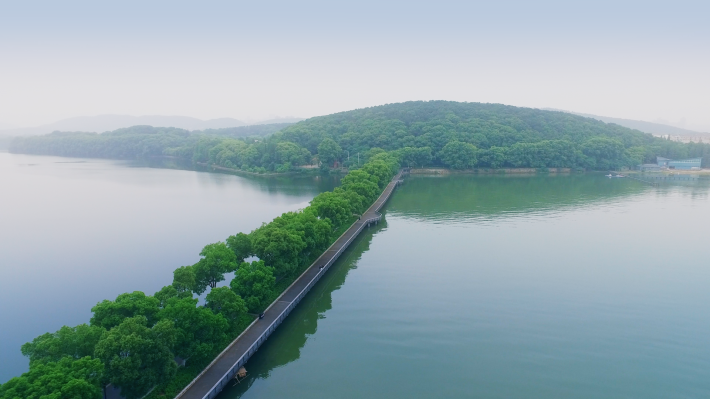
(109, 122)
(628, 60)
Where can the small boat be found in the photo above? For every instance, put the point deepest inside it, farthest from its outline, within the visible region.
(609, 175)
(241, 374)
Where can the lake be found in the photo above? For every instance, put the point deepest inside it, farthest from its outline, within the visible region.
(569, 286)
(76, 231)
(572, 286)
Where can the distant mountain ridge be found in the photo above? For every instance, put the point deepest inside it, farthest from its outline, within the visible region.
(647, 127)
(438, 133)
(105, 123)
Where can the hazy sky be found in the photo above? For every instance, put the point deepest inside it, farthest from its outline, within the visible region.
(645, 60)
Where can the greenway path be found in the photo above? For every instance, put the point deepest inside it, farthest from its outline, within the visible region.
(218, 373)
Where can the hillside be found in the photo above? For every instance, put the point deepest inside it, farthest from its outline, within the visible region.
(502, 135)
(105, 123)
(443, 133)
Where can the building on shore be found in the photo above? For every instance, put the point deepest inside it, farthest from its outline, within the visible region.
(684, 164)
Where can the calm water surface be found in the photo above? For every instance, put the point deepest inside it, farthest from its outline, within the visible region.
(508, 287)
(74, 232)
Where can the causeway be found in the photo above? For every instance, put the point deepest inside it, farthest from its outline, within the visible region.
(210, 382)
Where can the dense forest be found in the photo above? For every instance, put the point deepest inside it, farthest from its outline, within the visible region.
(133, 342)
(436, 133)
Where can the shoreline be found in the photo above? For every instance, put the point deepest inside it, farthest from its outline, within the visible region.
(488, 171)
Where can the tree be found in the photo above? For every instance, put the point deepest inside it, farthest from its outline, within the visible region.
(278, 247)
(249, 157)
(635, 156)
(459, 155)
(108, 314)
(494, 157)
(217, 259)
(362, 183)
(198, 331)
(75, 342)
(224, 301)
(332, 206)
(288, 152)
(416, 156)
(168, 292)
(184, 279)
(380, 171)
(329, 151)
(255, 283)
(358, 203)
(240, 244)
(604, 153)
(66, 378)
(373, 152)
(137, 357)
(314, 232)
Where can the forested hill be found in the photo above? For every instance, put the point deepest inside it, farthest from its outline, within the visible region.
(441, 133)
(502, 136)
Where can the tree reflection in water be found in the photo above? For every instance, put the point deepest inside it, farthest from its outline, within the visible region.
(285, 344)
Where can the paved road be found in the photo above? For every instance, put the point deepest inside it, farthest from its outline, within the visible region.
(246, 344)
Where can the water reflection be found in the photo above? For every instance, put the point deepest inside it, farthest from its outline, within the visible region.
(490, 198)
(77, 231)
(285, 345)
(294, 184)
(516, 287)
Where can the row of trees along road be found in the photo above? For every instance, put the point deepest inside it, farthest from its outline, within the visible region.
(133, 342)
(434, 133)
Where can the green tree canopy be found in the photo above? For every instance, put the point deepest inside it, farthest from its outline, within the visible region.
(108, 314)
(66, 378)
(240, 244)
(358, 203)
(198, 330)
(217, 259)
(604, 153)
(329, 151)
(184, 279)
(137, 357)
(168, 292)
(75, 342)
(415, 156)
(332, 206)
(361, 183)
(458, 155)
(494, 157)
(291, 153)
(278, 247)
(314, 232)
(381, 172)
(222, 300)
(255, 283)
